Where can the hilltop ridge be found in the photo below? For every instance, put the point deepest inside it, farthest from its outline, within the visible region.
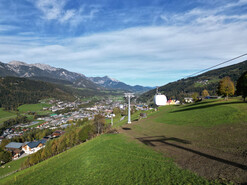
(208, 80)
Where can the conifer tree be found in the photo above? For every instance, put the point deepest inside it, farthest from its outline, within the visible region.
(242, 85)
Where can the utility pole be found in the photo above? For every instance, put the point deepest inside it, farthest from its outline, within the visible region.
(111, 120)
(129, 95)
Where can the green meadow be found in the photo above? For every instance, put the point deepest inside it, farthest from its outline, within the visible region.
(5, 115)
(207, 113)
(11, 167)
(34, 108)
(107, 159)
(117, 159)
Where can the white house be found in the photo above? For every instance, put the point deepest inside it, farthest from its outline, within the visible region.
(33, 146)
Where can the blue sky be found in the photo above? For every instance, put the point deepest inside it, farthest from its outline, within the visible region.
(145, 42)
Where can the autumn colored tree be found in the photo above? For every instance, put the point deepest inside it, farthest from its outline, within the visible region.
(195, 96)
(242, 85)
(4, 143)
(61, 144)
(205, 93)
(99, 122)
(116, 111)
(85, 132)
(226, 87)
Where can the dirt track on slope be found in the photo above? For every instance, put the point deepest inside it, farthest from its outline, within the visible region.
(214, 153)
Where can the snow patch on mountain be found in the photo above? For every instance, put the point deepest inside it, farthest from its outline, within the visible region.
(114, 80)
(17, 63)
(44, 67)
(28, 75)
(13, 68)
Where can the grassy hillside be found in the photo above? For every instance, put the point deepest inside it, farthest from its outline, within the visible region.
(207, 113)
(108, 159)
(209, 80)
(209, 138)
(5, 115)
(11, 167)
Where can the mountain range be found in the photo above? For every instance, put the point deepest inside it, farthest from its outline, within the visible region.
(111, 83)
(51, 74)
(187, 86)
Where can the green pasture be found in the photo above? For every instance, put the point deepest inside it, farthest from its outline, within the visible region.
(107, 159)
(206, 113)
(11, 167)
(34, 108)
(134, 117)
(5, 115)
(212, 124)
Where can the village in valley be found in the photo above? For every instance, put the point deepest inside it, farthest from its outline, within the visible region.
(62, 115)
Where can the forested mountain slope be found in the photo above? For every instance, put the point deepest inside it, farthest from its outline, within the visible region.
(16, 91)
(208, 80)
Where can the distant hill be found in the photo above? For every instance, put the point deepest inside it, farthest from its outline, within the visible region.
(111, 83)
(208, 80)
(15, 91)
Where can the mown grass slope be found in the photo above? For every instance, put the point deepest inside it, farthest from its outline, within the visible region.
(206, 113)
(107, 159)
(209, 138)
(11, 167)
(215, 124)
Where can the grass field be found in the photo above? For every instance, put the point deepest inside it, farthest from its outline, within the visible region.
(11, 167)
(5, 115)
(210, 123)
(34, 108)
(209, 138)
(207, 113)
(107, 159)
(134, 117)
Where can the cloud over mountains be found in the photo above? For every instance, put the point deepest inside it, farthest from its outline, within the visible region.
(148, 43)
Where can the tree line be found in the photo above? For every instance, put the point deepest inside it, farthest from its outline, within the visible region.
(227, 88)
(75, 134)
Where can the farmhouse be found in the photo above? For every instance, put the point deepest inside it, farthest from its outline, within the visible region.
(15, 148)
(57, 133)
(34, 146)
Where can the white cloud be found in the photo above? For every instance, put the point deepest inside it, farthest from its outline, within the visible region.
(162, 53)
(52, 9)
(151, 55)
(68, 15)
(215, 15)
(55, 10)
